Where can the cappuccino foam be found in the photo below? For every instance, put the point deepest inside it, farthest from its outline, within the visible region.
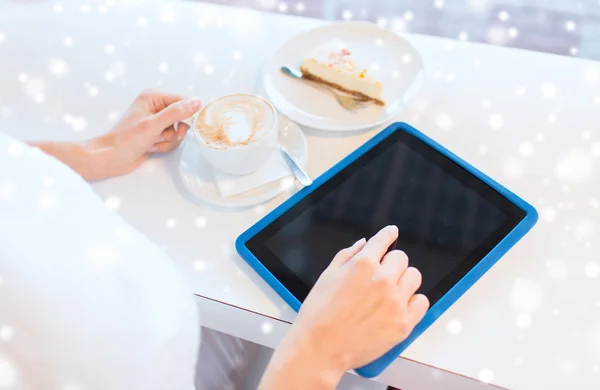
(234, 120)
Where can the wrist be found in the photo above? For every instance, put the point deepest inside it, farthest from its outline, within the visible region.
(98, 156)
(302, 362)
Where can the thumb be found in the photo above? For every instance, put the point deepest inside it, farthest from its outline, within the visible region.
(176, 112)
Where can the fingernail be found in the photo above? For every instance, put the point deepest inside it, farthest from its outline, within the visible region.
(391, 229)
(193, 104)
(360, 242)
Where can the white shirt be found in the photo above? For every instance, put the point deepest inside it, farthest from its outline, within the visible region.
(86, 302)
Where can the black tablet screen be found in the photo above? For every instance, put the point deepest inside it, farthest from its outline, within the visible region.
(448, 218)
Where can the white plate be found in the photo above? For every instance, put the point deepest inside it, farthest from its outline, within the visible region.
(389, 57)
(197, 174)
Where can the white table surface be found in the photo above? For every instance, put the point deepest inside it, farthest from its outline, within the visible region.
(529, 120)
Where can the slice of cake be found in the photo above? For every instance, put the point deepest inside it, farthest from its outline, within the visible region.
(333, 64)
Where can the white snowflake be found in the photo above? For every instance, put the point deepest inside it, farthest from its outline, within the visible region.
(112, 203)
(8, 373)
(46, 201)
(36, 89)
(496, 121)
(438, 4)
(300, 7)
(200, 222)
(463, 36)
(2, 37)
(548, 214)
(84, 9)
(539, 137)
(548, 90)
(575, 166)
(282, 7)
(503, 16)
(395, 74)
(523, 320)
(171, 223)
(266, 327)
(518, 361)
(450, 77)
(142, 21)
(23, 77)
(347, 14)
(584, 229)
(6, 333)
(109, 76)
(444, 121)
(520, 91)
(58, 8)
(109, 49)
(454, 327)
(163, 67)
(378, 42)
(78, 124)
(592, 270)
(409, 15)
(287, 183)
(526, 149)
(199, 265)
(15, 149)
(407, 58)
(67, 41)
(513, 32)
(573, 51)
(586, 135)
(209, 69)
(486, 375)
(570, 25)
(526, 295)
(237, 55)
(595, 149)
(93, 91)
(512, 167)
(382, 22)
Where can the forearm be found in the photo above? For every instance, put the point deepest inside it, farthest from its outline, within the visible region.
(87, 158)
(297, 365)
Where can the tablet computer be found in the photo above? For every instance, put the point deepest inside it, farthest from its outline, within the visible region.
(454, 222)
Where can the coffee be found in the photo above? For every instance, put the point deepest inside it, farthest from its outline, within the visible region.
(235, 120)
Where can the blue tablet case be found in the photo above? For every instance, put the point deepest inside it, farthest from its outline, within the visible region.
(376, 367)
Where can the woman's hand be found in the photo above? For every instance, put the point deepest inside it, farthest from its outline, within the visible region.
(363, 304)
(146, 127)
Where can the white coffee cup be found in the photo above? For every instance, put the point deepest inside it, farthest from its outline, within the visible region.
(239, 159)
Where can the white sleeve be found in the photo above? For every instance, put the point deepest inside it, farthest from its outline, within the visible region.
(86, 302)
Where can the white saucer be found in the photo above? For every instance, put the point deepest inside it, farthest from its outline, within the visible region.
(197, 174)
(389, 57)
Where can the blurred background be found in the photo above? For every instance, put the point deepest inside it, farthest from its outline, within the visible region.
(564, 27)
